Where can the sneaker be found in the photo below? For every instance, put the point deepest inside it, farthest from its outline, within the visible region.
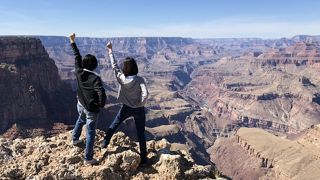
(145, 163)
(91, 162)
(77, 142)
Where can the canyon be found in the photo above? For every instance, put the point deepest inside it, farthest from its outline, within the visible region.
(208, 97)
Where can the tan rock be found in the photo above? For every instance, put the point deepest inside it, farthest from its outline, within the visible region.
(66, 162)
(163, 143)
(170, 166)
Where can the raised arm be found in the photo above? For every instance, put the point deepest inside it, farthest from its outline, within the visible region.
(121, 78)
(76, 53)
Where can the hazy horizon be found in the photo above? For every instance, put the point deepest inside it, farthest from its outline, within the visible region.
(66, 36)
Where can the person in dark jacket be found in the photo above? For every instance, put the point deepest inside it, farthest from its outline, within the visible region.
(91, 97)
(132, 94)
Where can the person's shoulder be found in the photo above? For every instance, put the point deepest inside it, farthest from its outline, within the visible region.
(91, 74)
(96, 76)
(79, 70)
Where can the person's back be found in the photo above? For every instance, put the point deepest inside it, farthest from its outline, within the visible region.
(88, 95)
(90, 90)
(131, 93)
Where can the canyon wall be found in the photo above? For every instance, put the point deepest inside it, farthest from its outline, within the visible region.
(254, 153)
(32, 92)
(275, 92)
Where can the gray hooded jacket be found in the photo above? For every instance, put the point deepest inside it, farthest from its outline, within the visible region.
(132, 91)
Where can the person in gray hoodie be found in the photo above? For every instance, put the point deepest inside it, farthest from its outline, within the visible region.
(132, 94)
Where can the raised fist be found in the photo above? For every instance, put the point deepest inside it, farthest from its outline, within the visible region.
(109, 45)
(72, 37)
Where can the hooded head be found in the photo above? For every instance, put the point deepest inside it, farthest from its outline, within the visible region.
(130, 67)
(89, 62)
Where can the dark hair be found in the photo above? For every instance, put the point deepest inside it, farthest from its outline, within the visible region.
(89, 62)
(130, 67)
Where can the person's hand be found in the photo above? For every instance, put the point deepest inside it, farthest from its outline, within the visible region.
(109, 47)
(72, 37)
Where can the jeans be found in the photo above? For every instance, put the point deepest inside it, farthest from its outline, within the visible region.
(90, 119)
(139, 118)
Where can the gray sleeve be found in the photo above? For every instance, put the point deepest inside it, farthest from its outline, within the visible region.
(144, 91)
(119, 75)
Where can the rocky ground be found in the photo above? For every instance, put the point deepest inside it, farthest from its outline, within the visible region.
(57, 158)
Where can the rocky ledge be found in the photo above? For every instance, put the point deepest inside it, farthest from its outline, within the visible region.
(57, 158)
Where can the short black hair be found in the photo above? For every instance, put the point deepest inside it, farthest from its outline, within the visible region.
(89, 62)
(130, 67)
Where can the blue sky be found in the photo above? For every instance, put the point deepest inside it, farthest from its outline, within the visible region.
(185, 18)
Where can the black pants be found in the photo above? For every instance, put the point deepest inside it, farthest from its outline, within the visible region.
(139, 118)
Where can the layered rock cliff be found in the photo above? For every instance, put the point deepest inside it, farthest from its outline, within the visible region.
(254, 153)
(244, 91)
(301, 53)
(33, 94)
(310, 136)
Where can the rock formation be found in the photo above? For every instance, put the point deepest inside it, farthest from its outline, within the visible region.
(248, 91)
(254, 153)
(301, 53)
(57, 158)
(310, 136)
(32, 93)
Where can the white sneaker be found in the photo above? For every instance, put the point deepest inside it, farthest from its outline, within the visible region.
(91, 162)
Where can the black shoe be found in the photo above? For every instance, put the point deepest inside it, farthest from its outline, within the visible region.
(144, 163)
(77, 143)
(91, 162)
